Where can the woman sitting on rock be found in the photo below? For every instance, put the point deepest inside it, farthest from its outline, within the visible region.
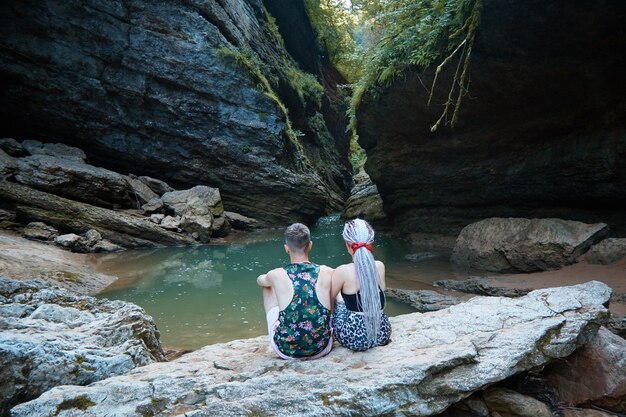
(359, 321)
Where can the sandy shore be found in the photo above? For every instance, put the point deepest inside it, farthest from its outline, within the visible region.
(21, 258)
(613, 275)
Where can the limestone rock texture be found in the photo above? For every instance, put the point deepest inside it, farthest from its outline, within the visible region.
(524, 245)
(595, 373)
(511, 403)
(541, 132)
(8, 166)
(145, 87)
(364, 201)
(50, 336)
(423, 300)
(434, 360)
(74, 180)
(480, 286)
(124, 229)
(607, 251)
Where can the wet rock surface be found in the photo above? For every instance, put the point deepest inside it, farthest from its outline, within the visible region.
(51, 337)
(40, 231)
(524, 245)
(434, 360)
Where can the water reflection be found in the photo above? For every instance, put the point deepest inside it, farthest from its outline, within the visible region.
(208, 294)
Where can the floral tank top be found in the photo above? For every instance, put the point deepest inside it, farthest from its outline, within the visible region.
(304, 325)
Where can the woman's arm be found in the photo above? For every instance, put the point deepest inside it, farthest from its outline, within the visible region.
(337, 280)
(381, 274)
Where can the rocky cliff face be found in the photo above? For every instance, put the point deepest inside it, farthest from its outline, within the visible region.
(542, 132)
(145, 87)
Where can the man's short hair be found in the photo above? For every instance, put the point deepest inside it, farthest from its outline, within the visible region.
(297, 237)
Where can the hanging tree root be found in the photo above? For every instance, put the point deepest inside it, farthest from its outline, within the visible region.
(458, 82)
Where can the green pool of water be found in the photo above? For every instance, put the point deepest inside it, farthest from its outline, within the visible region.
(208, 294)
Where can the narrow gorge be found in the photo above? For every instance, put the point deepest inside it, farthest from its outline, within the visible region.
(152, 155)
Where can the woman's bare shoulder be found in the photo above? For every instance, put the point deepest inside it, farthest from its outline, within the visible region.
(344, 267)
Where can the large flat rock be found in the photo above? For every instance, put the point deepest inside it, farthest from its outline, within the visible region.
(434, 360)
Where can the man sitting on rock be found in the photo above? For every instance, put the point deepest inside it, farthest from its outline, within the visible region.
(297, 301)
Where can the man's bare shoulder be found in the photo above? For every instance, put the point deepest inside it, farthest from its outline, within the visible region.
(276, 273)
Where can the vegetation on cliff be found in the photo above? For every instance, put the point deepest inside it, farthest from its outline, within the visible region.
(374, 42)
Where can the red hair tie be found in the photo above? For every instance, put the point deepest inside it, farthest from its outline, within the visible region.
(356, 245)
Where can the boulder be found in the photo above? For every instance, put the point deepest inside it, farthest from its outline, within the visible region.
(53, 337)
(607, 251)
(139, 191)
(12, 147)
(480, 286)
(617, 324)
(524, 245)
(72, 178)
(470, 407)
(58, 150)
(198, 222)
(221, 226)
(124, 229)
(241, 222)
(170, 223)
(106, 246)
(153, 206)
(509, 403)
(8, 166)
(364, 201)
(197, 208)
(594, 373)
(157, 218)
(68, 240)
(476, 406)
(87, 241)
(200, 197)
(423, 300)
(433, 361)
(40, 231)
(157, 186)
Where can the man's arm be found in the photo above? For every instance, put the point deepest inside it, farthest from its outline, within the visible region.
(262, 281)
